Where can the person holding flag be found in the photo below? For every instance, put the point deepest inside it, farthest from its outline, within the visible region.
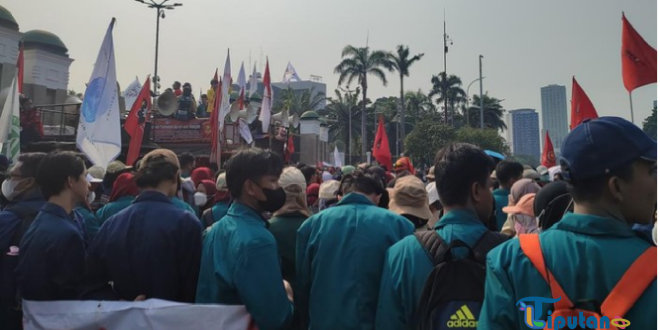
(136, 120)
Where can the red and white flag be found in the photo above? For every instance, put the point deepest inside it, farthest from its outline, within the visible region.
(548, 158)
(266, 102)
(136, 120)
(225, 105)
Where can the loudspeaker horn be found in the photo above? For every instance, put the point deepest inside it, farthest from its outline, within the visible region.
(166, 103)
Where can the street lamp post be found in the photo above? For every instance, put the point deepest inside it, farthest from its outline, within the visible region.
(481, 93)
(468, 96)
(160, 13)
(350, 121)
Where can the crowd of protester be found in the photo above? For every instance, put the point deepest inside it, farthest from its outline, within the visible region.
(458, 245)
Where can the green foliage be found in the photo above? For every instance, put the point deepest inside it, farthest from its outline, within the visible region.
(493, 113)
(487, 139)
(337, 113)
(447, 88)
(650, 125)
(298, 102)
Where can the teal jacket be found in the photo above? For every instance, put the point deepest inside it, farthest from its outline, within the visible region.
(501, 201)
(339, 263)
(184, 206)
(241, 266)
(113, 208)
(407, 267)
(92, 224)
(586, 254)
(219, 210)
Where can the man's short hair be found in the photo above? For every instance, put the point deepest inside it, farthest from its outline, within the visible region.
(186, 159)
(214, 82)
(251, 164)
(154, 170)
(591, 190)
(30, 163)
(507, 170)
(457, 167)
(55, 170)
(204, 97)
(360, 182)
(308, 172)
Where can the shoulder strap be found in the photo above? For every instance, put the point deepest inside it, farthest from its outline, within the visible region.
(207, 216)
(531, 247)
(487, 242)
(434, 246)
(632, 284)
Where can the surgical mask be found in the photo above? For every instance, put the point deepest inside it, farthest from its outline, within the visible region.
(9, 189)
(655, 233)
(91, 197)
(275, 199)
(200, 198)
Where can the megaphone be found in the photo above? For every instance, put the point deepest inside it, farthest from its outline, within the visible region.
(293, 120)
(234, 111)
(249, 114)
(166, 103)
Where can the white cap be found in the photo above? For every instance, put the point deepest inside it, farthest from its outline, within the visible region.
(292, 176)
(92, 179)
(433, 193)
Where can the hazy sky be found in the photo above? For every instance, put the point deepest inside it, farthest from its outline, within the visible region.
(525, 44)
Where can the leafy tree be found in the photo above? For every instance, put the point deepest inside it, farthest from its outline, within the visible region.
(448, 88)
(487, 139)
(527, 160)
(357, 64)
(298, 101)
(493, 113)
(428, 136)
(401, 62)
(418, 105)
(337, 113)
(650, 125)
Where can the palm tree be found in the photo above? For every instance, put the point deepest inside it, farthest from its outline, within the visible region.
(358, 63)
(337, 113)
(401, 62)
(447, 89)
(493, 113)
(297, 102)
(418, 105)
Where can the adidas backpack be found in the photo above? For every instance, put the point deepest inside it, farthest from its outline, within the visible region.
(454, 291)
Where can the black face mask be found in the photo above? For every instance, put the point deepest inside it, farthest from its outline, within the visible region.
(275, 199)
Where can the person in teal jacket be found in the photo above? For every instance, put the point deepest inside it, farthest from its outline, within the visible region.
(611, 165)
(507, 173)
(124, 191)
(340, 254)
(458, 169)
(240, 261)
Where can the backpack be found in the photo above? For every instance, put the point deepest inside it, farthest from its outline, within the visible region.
(454, 291)
(623, 296)
(207, 218)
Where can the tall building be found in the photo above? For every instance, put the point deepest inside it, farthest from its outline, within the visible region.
(555, 114)
(525, 131)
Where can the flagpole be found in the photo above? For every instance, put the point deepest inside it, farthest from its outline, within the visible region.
(632, 116)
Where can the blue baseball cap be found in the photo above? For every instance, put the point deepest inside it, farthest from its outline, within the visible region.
(598, 146)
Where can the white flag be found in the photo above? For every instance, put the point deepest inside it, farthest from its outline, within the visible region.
(10, 123)
(241, 86)
(244, 129)
(254, 81)
(266, 102)
(290, 74)
(131, 93)
(225, 106)
(338, 162)
(136, 315)
(99, 136)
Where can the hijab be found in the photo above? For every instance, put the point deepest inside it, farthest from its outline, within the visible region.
(521, 188)
(124, 186)
(201, 173)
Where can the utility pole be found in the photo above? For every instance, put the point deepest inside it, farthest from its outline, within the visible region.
(481, 92)
(446, 78)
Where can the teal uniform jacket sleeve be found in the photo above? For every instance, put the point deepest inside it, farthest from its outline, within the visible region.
(499, 309)
(259, 283)
(303, 275)
(391, 310)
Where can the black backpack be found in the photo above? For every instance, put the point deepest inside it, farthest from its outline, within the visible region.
(9, 263)
(454, 291)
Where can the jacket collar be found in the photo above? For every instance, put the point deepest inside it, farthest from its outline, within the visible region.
(354, 198)
(592, 225)
(246, 214)
(502, 192)
(57, 211)
(459, 217)
(152, 196)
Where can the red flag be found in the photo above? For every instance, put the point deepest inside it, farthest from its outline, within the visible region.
(136, 120)
(215, 76)
(581, 106)
(638, 60)
(215, 124)
(290, 149)
(20, 66)
(548, 158)
(381, 149)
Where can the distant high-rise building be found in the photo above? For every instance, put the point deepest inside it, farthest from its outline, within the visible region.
(555, 114)
(525, 131)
